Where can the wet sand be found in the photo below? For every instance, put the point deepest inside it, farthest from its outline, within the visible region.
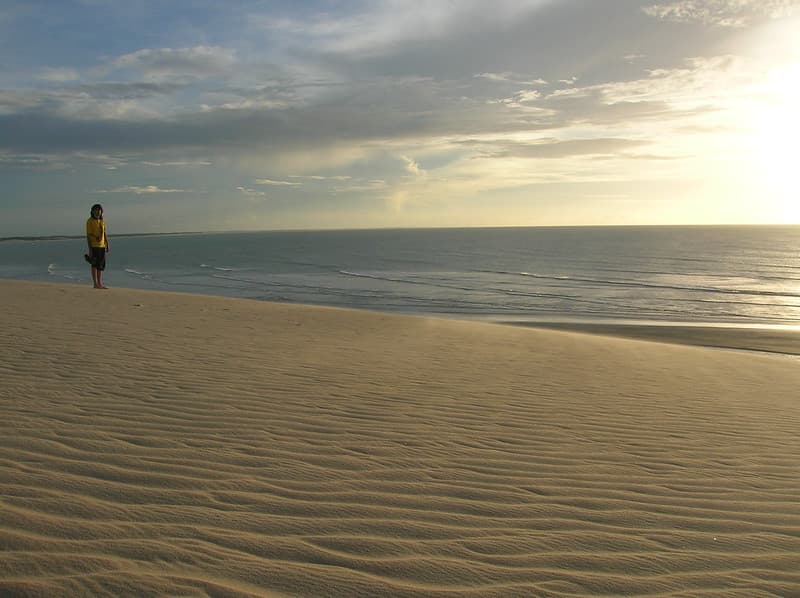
(771, 340)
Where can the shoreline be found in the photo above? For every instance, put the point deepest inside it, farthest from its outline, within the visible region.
(777, 339)
(752, 337)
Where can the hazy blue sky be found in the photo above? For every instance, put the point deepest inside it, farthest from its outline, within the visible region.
(245, 114)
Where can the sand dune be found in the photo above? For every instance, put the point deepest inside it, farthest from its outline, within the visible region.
(175, 445)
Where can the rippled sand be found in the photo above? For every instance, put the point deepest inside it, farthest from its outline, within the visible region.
(161, 444)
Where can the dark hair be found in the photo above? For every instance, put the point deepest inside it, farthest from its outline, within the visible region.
(96, 206)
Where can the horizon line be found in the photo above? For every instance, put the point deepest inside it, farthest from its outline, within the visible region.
(58, 237)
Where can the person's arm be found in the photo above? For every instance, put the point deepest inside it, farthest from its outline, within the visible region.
(105, 238)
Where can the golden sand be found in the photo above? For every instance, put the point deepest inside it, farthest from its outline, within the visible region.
(159, 444)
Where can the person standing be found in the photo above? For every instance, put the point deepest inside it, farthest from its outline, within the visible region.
(98, 244)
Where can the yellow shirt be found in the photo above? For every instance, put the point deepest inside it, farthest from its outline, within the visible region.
(96, 231)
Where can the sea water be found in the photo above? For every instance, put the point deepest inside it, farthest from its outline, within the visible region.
(722, 275)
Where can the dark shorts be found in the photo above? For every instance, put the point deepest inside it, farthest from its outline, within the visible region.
(97, 257)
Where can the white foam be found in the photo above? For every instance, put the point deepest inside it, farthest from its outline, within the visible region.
(137, 273)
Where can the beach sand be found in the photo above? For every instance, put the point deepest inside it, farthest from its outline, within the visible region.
(158, 444)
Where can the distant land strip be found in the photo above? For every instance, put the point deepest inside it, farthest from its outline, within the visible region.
(66, 237)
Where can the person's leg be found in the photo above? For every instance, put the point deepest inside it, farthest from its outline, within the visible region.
(101, 265)
(98, 265)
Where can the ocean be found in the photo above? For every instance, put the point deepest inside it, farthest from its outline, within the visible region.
(725, 275)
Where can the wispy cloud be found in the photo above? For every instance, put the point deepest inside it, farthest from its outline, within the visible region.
(136, 190)
(270, 182)
(412, 166)
(724, 13)
(30, 161)
(137, 90)
(169, 64)
(383, 24)
(178, 163)
(252, 194)
(56, 161)
(364, 186)
(316, 177)
(59, 74)
(510, 78)
(555, 148)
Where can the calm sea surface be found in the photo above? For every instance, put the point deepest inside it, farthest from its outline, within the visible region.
(724, 275)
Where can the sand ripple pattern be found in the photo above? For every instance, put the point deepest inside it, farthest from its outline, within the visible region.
(171, 445)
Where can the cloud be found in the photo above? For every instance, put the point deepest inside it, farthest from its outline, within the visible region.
(362, 115)
(555, 148)
(178, 163)
(699, 79)
(324, 99)
(59, 74)
(363, 186)
(523, 97)
(698, 87)
(252, 194)
(13, 101)
(447, 39)
(29, 161)
(316, 177)
(380, 25)
(149, 189)
(511, 78)
(62, 161)
(723, 13)
(277, 183)
(87, 101)
(177, 105)
(412, 166)
(367, 115)
(163, 64)
(121, 91)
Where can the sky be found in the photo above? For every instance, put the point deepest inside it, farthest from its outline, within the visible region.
(285, 114)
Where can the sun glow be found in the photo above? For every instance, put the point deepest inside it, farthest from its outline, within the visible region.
(772, 130)
(777, 131)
